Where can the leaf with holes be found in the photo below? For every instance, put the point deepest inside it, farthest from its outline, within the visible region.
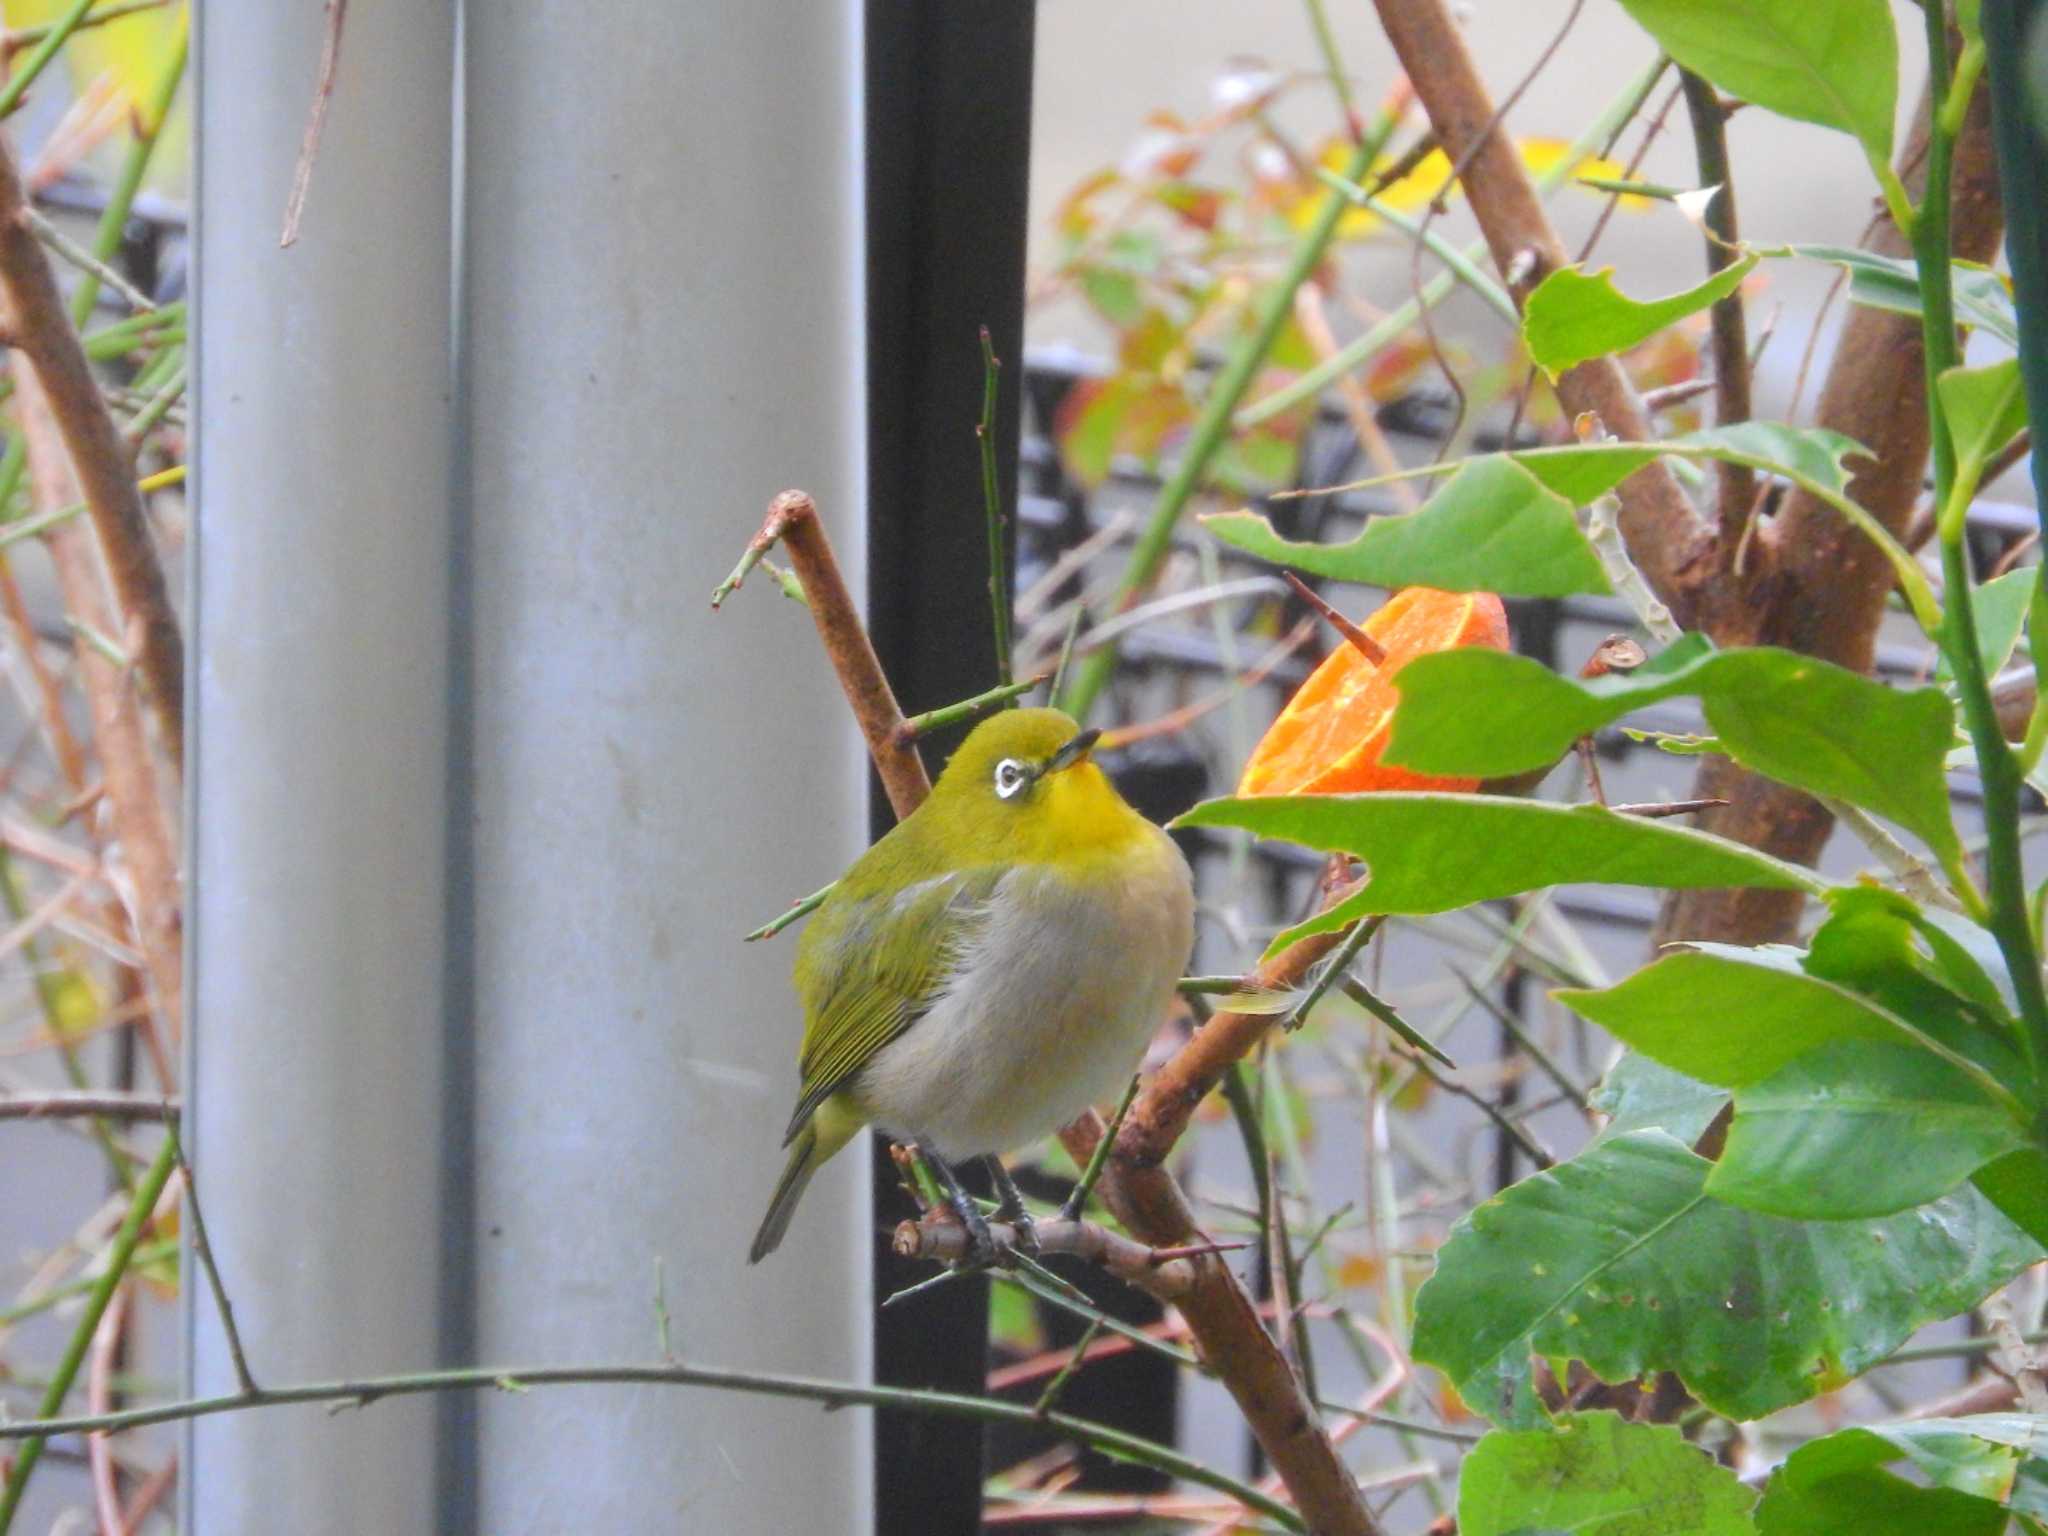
(1492, 528)
(1620, 1259)
(1571, 316)
(1595, 1472)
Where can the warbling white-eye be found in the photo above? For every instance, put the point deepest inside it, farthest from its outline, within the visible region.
(990, 968)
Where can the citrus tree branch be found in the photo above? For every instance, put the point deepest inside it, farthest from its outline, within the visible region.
(1666, 536)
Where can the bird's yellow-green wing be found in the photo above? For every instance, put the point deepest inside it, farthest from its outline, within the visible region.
(872, 967)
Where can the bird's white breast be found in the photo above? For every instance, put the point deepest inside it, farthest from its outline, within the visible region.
(1048, 1012)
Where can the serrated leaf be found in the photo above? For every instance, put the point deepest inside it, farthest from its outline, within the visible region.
(1436, 852)
(1619, 1258)
(1859, 1128)
(1640, 1093)
(1571, 316)
(1985, 408)
(1491, 528)
(1831, 62)
(1595, 1472)
(1974, 1469)
(1795, 718)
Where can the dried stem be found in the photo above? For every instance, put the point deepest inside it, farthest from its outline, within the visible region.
(81, 1105)
(316, 119)
(41, 328)
(140, 821)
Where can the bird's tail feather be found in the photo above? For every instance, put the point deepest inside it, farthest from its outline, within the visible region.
(829, 1130)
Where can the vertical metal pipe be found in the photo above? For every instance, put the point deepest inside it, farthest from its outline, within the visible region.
(318, 689)
(661, 328)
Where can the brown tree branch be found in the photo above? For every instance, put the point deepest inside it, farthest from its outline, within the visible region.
(1166, 1273)
(40, 326)
(1150, 1204)
(1667, 537)
(140, 821)
(1817, 585)
(82, 1104)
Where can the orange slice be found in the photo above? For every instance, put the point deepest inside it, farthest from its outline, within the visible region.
(1329, 738)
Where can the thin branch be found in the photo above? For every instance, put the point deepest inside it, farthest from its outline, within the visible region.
(1166, 1273)
(992, 506)
(140, 822)
(316, 120)
(1737, 482)
(793, 522)
(41, 328)
(202, 1247)
(36, 1432)
(364, 1391)
(73, 1106)
(1360, 641)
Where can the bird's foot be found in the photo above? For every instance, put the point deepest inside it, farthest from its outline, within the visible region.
(1010, 1208)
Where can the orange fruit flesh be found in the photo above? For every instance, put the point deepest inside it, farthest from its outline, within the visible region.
(1329, 738)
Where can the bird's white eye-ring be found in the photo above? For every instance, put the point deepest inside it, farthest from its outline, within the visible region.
(1011, 777)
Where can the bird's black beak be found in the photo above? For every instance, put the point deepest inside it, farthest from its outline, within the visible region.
(1075, 751)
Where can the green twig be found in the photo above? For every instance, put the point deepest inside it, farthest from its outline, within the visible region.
(1998, 769)
(833, 1394)
(135, 165)
(1077, 1200)
(1058, 1384)
(1461, 265)
(1505, 1017)
(32, 66)
(1213, 426)
(1333, 973)
(797, 911)
(37, 1435)
(967, 709)
(992, 507)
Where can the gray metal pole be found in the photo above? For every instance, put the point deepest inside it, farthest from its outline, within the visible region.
(482, 794)
(662, 317)
(319, 701)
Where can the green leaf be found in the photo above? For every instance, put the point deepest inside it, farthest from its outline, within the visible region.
(1974, 1469)
(1571, 317)
(1435, 852)
(1798, 719)
(1985, 407)
(2018, 1185)
(1831, 62)
(1891, 283)
(1640, 1093)
(1734, 1017)
(2001, 609)
(1594, 1472)
(1581, 471)
(1859, 1128)
(1115, 293)
(1491, 528)
(1619, 1258)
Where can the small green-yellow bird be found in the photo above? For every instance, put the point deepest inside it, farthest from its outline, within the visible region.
(990, 968)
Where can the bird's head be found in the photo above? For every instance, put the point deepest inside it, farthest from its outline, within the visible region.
(1022, 783)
